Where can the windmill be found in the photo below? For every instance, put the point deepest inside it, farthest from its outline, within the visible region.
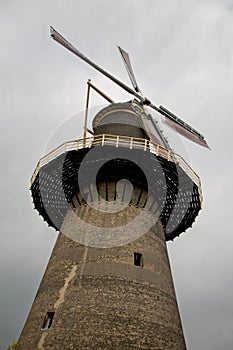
(156, 136)
(120, 297)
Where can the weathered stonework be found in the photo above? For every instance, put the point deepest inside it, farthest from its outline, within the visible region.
(101, 300)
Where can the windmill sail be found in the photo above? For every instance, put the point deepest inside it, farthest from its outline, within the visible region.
(181, 127)
(129, 68)
(184, 132)
(62, 41)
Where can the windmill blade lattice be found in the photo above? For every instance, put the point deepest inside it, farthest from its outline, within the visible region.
(129, 69)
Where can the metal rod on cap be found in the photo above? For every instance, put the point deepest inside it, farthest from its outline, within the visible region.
(100, 92)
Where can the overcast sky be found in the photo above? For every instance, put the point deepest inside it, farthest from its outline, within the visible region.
(182, 53)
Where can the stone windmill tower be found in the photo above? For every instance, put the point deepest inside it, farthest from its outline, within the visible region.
(116, 197)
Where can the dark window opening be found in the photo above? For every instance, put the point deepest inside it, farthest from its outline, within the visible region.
(137, 259)
(48, 320)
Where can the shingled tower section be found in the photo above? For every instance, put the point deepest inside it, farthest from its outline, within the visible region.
(108, 283)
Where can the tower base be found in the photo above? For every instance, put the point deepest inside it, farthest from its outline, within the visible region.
(115, 298)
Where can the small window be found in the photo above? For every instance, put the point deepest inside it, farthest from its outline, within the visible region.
(48, 320)
(137, 259)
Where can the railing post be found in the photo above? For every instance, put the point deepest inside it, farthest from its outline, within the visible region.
(86, 114)
(48, 158)
(56, 152)
(157, 150)
(200, 191)
(103, 139)
(145, 145)
(169, 156)
(131, 143)
(90, 139)
(117, 142)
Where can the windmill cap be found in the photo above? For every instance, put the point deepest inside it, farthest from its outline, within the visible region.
(123, 113)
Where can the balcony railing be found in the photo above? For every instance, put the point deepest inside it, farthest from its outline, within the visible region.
(119, 141)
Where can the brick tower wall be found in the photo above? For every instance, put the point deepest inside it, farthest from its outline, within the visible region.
(101, 299)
